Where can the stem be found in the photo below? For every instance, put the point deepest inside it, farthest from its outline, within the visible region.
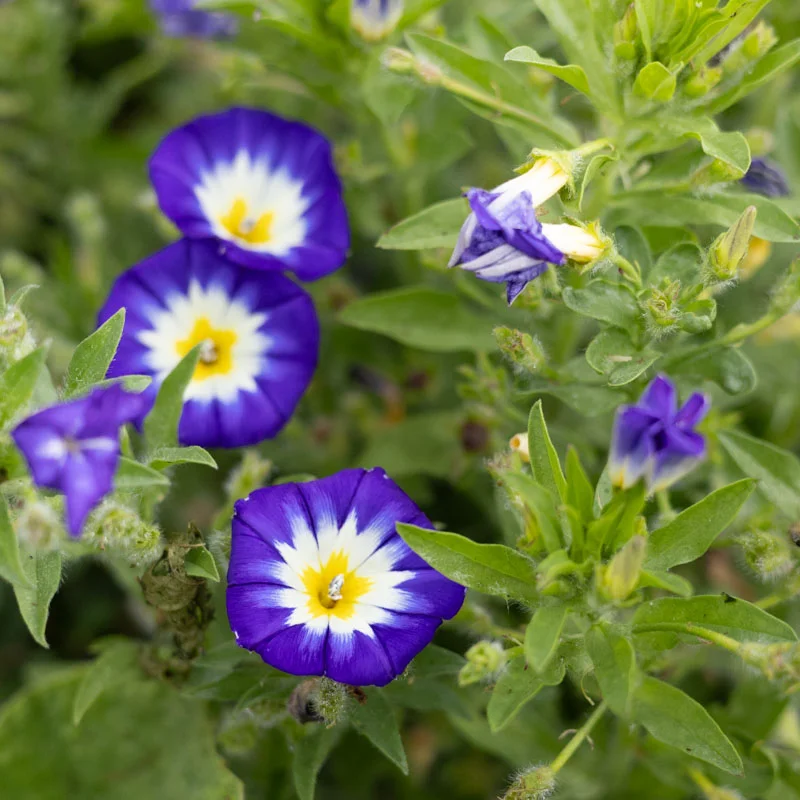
(576, 741)
(630, 271)
(720, 639)
(664, 505)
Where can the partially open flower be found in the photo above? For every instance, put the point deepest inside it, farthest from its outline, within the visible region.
(182, 18)
(765, 177)
(655, 439)
(321, 584)
(374, 20)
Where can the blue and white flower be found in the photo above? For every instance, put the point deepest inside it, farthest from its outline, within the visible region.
(264, 188)
(320, 583)
(258, 333)
(374, 20)
(502, 240)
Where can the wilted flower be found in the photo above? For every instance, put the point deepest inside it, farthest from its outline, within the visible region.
(263, 187)
(74, 447)
(374, 20)
(502, 241)
(258, 333)
(764, 177)
(321, 584)
(182, 18)
(655, 439)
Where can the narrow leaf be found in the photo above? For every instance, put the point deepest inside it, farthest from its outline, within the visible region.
(10, 561)
(544, 459)
(376, 720)
(571, 73)
(693, 531)
(133, 475)
(615, 667)
(44, 575)
(18, 382)
(543, 635)
(93, 355)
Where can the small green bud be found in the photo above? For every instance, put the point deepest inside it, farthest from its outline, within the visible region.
(767, 554)
(625, 35)
(702, 81)
(398, 60)
(523, 350)
(621, 577)
(759, 41)
(661, 307)
(536, 783)
(730, 248)
(484, 661)
(330, 701)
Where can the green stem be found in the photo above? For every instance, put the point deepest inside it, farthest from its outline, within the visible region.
(630, 271)
(719, 639)
(579, 737)
(664, 505)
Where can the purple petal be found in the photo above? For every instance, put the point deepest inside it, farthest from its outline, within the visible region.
(298, 650)
(764, 177)
(631, 445)
(693, 410)
(86, 480)
(660, 397)
(357, 660)
(681, 453)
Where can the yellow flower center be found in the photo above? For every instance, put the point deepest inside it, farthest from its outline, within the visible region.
(216, 349)
(334, 589)
(243, 226)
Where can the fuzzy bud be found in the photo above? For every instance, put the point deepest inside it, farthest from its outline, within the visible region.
(768, 555)
(116, 527)
(625, 35)
(621, 576)
(536, 783)
(330, 701)
(484, 660)
(702, 81)
(520, 348)
(759, 41)
(661, 306)
(730, 248)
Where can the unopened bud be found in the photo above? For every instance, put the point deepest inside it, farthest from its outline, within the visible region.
(730, 248)
(621, 577)
(398, 60)
(536, 783)
(625, 35)
(759, 41)
(522, 349)
(330, 700)
(767, 554)
(374, 20)
(661, 307)
(120, 529)
(519, 444)
(702, 81)
(484, 661)
(39, 526)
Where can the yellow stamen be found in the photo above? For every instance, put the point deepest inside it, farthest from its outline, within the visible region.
(216, 349)
(239, 224)
(333, 589)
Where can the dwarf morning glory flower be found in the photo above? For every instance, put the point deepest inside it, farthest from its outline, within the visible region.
(264, 188)
(258, 333)
(73, 447)
(502, 241)
(320, 583)
(374, 20)
(655, 439)
(764, 177)
(181, 18)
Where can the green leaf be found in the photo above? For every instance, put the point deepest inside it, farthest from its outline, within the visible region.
(132, 383)
(133, 475)
(731, 148)
(543, 634)
(608, 302)
(672, 717)
(376, 720)
(693, 531)
(777, 470)
(722, 613)
(655, 82)
(168, 456)
(737, 15)
(161, 424)
(489, 568)
(591, 401)
(544, 459)
(571, 73)
(593, 168)
(682, 262)
(310, 753)
(517, 686)
(18, 382)
(541, 504)
(436, 226)
(614, 661)
(613, 354)
(116, 664)
(668, 581)
(93, 355)
(645, 22)
(435, 661)
(718, 208)
(580, 493)
(728, 367)
(44, 576)
(420, 317)
(199, 563)
(10, 561)
(139, 740)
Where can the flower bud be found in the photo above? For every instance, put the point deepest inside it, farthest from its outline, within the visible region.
(116, 527)
(661, 306)
(730, 248)
(767, 554)
(621, 576)
(522, 349)
(536, 783)
(484, 661)
(625, 35)
(330, 700)
(759, 41)
(374, 20)
(519, 444)
(581, 244)
(702, 81)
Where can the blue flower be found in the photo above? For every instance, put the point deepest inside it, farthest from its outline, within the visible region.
(73, 447)
(502, 240)
(655, 439)
(263, 188)
(320, 583)
(181, 18)
(764, 177)
(258, 331)
(374, 20)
